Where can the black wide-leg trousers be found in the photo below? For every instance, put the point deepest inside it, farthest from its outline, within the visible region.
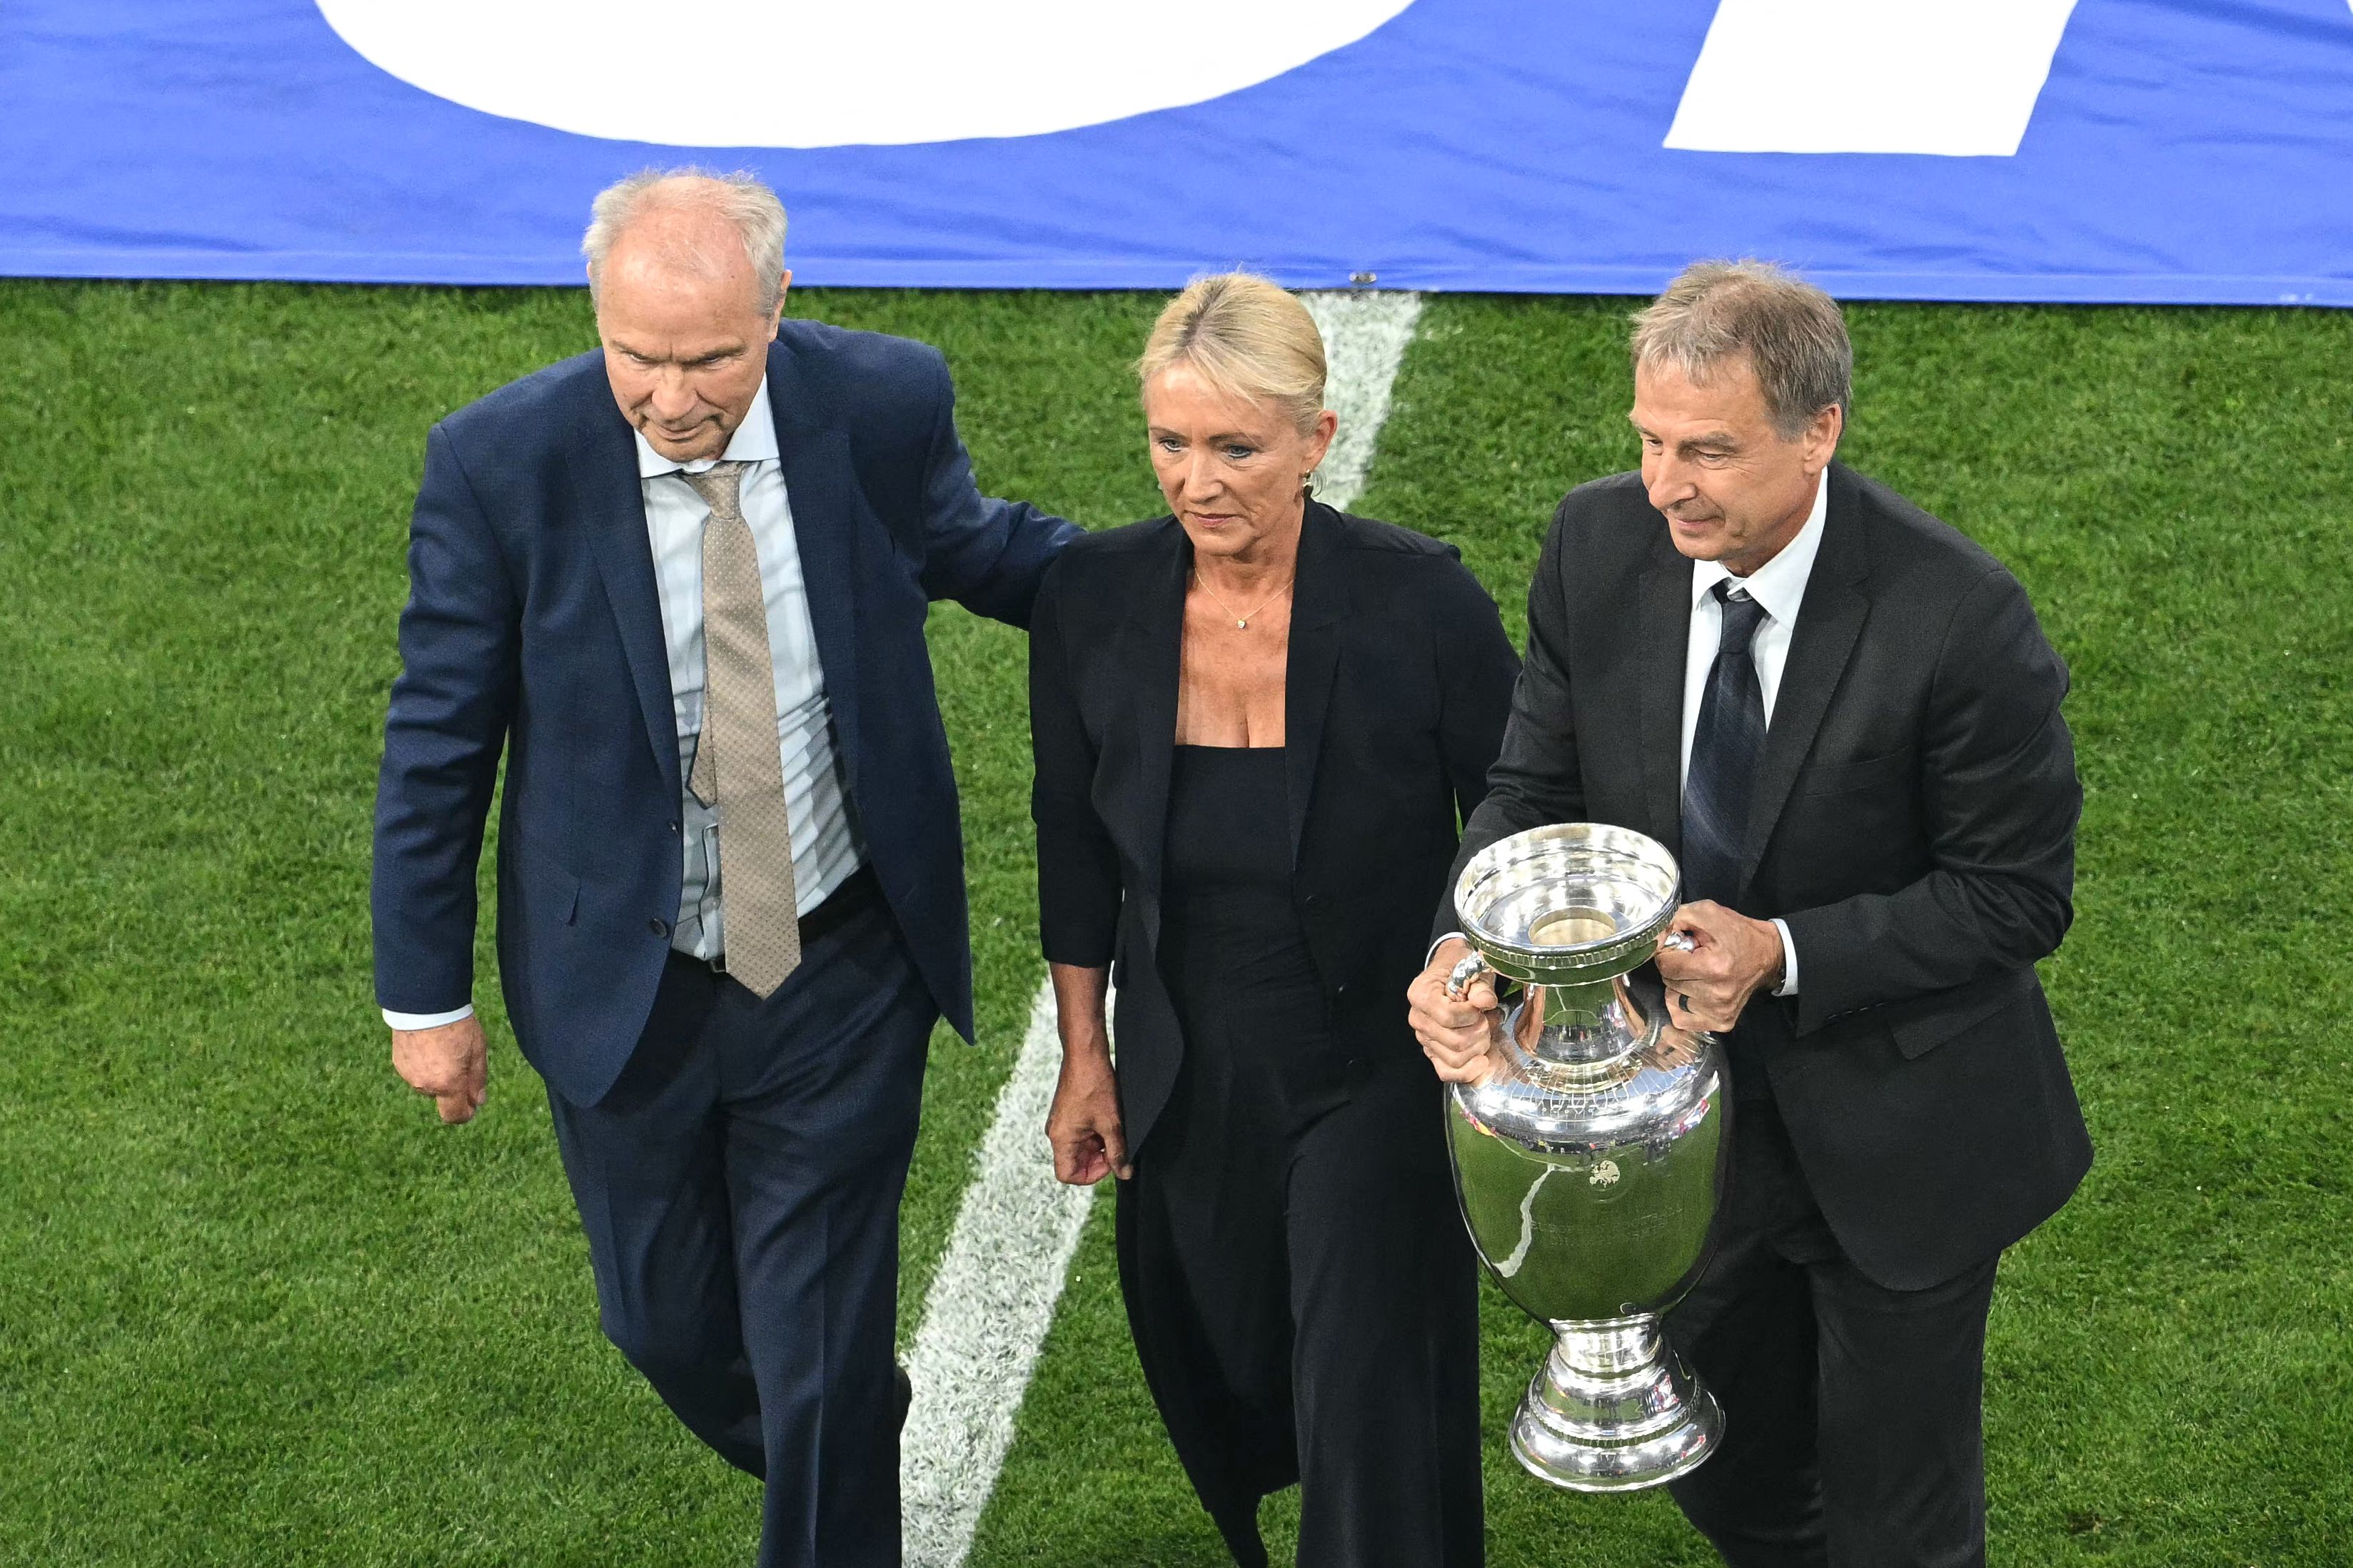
(740, 1188)
(1304, 1303)
(1854, 1429)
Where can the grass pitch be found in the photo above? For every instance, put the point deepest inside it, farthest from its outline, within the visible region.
(255, 1308)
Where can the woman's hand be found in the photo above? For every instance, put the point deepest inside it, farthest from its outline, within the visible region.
(1089, 1142)
(1084, 1126)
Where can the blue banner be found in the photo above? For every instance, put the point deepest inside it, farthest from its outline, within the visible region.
(2048, 150)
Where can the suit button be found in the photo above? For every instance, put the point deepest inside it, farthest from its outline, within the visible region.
(673, 828)
(1341, 989)
(658, 927)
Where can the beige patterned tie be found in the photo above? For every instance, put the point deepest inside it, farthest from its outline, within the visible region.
(737, 765)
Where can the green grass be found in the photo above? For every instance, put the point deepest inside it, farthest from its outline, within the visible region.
(256, 1309)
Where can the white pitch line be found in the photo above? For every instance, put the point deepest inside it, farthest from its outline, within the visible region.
(1365, 339)
(988, 1311)
(993, 1299)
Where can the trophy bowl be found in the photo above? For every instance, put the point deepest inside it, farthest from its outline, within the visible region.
(1590, 1161)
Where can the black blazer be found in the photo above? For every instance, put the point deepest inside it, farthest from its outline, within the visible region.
(534, 628)
(1399, 682)
(1914, 821)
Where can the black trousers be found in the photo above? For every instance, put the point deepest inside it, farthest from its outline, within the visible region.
(740, 1189)
(1853, 1431)
(1305, 1304)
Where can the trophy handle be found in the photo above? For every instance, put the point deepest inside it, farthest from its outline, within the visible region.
(1458, 981)
(1677, 941)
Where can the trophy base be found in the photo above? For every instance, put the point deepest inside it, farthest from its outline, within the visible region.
(1614, 1409)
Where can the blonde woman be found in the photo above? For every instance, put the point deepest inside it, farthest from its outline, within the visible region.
(1258, 723)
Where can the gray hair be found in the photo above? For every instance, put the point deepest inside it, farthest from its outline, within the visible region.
(1789, 332)
(742, 199)
(1249, 338)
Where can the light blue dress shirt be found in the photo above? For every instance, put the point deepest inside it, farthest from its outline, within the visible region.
(827, 846)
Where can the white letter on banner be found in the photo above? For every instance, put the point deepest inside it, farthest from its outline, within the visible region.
(1953, 77)
(827, 73)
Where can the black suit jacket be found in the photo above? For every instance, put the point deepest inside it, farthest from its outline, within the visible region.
(1914, 821)
(533, 625)
(1395, 696)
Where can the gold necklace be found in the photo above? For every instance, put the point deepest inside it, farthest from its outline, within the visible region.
(1241, 621)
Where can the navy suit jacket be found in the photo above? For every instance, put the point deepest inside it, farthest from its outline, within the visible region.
(534, 625)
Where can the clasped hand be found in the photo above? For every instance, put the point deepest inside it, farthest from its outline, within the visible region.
(1731, 958)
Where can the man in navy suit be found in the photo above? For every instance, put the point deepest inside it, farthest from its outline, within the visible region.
(683, 583)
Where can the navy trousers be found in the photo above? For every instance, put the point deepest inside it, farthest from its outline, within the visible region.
(1853, 1414)
(740, 1188)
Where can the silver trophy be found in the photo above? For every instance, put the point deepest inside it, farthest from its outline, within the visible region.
(1590, 1161)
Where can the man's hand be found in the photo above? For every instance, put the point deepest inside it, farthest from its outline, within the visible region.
(1456, 1036)
(1732, 958)
(1089, 1142)
(450, 1063)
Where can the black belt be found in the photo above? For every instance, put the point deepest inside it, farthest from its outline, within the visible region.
(858, 893)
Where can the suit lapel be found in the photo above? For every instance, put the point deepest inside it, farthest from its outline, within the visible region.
(1319, 603)
(1664, 642)
(821, 489)
(1151, 644)
(1830, 619)
(610, 503)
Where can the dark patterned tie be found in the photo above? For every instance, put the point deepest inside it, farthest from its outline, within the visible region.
(737, 764)
(1725, 748)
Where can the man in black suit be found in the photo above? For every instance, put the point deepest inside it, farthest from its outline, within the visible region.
(1843, 717)
(681, 583)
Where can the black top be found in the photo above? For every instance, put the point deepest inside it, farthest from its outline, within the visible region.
(1394, 697)
(1231, 943)
(1226, 844)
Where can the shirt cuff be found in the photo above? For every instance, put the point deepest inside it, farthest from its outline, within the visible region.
(435, 1020)
(1788, 986)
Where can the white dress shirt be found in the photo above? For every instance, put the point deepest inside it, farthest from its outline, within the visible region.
(826, 842)
(1779, 585)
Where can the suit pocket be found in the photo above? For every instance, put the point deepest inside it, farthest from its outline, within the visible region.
(550, 893)
(1850, 778)
(1919, 1032)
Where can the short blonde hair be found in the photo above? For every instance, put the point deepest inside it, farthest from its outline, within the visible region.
(1247, 337)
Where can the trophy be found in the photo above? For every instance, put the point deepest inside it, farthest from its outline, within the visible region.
(1590, 1161)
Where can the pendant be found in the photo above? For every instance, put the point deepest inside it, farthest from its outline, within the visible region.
(1243, 625)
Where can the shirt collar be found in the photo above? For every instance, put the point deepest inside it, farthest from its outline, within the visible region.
(755, 441)
(1780, 584)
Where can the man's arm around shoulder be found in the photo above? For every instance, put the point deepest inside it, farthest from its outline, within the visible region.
(989, 555)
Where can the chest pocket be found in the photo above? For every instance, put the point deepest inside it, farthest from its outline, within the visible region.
(1892, 771)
